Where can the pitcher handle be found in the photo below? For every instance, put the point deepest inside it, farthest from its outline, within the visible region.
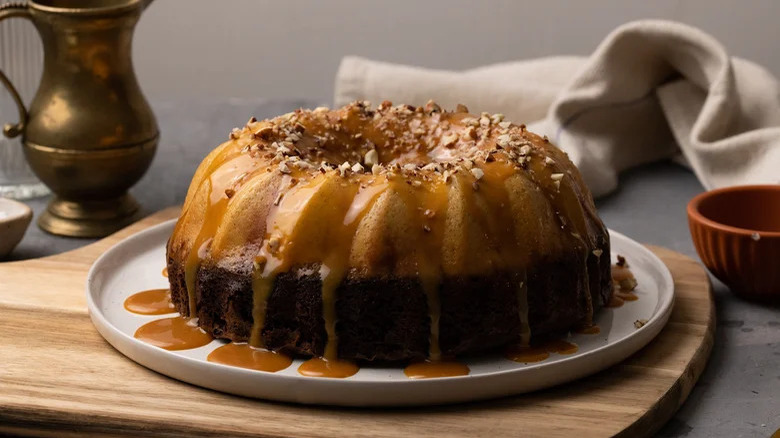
(11, 130)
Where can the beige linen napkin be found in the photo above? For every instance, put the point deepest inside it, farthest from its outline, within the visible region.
(650, 90)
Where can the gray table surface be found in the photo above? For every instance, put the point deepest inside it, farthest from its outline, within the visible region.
(737, 396)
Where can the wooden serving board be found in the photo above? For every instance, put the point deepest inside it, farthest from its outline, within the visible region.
(58, 377)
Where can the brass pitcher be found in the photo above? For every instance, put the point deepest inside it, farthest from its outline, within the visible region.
(89, 134)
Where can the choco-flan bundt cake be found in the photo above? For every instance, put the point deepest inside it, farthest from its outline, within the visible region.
(395, 233)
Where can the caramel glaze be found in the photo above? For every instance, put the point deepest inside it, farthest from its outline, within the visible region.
(591, 329)
(175, 333)
(150, 302)
(323, 367)
(165, 272)
(538, 353)
(419, 169)
(245, 356)
(433, 369)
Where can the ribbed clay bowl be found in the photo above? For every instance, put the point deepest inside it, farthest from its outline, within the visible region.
(736, 231)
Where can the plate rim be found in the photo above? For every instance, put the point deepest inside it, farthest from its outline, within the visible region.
(121, 341)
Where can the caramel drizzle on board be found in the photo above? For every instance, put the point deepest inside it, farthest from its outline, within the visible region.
(304, 201)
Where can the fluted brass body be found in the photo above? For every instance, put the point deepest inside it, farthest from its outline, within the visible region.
(89, 134)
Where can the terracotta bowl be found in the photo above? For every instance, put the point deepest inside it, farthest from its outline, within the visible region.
(736, 231)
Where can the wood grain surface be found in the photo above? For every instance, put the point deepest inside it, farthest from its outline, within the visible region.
(58, 377)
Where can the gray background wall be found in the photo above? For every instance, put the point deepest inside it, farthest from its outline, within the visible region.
(257, 48)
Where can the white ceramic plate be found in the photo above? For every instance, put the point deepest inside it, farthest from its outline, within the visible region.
(135, 264)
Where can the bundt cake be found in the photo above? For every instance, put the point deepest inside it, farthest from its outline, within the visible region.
(395, 233)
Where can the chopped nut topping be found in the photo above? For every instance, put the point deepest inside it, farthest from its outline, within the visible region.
(755, 236)
(432, 107)
(449, 140)
(376, 169)
(470, 121)
(505, 125)
(229, 193)
(371, 158)
(548, 161)
(556, 176)
(431, 167)
(429, 213)
(264, 132)
(477, 172)
(639, 323)
(343, 168)
(235, 133)
(621, 261)
(283, 168)
(357, 168)
(598, 252)
(426, 228)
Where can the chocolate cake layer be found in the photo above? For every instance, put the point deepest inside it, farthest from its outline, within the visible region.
(387, 319)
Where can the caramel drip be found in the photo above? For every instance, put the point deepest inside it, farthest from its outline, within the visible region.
(245, 356)
(589, 330)
(176, 333)
(295, 237)
(150, 302)
(541, 352)
(331, 279)
(334, 369)
(212, 220)
(165, 272)
(262, 286)
(428, 205)
(436, 369)
(227, 174)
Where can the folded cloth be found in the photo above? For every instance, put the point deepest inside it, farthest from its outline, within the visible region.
(651, 89)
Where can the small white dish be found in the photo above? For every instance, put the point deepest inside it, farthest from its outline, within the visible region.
(135, 263)
(15, 217)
